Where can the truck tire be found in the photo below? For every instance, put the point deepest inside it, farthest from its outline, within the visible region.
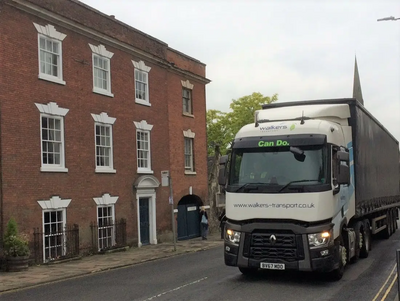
(248, 271)
(358, 227)
(365, 235)
(394, 221)
(337, 274)
(387, 231)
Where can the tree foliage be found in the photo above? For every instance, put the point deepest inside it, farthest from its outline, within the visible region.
(222, 127)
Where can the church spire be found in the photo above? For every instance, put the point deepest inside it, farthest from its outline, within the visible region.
(357, 94)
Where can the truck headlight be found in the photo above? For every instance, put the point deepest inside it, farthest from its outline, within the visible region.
(321, 239)
(232, 236)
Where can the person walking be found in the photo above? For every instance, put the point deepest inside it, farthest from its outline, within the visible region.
(203, 223)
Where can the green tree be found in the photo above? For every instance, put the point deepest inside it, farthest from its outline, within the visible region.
(222, 127)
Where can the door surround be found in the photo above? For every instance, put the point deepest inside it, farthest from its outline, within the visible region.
(146, 188)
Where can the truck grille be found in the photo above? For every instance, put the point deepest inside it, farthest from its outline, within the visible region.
(285, 246)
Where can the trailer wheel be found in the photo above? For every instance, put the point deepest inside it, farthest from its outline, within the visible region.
(394, 221)
(387, 231)
(365, 234)
(248, 271)
(390, 222)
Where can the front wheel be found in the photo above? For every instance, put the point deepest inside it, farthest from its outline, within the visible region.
(248, 271)
(337, 274)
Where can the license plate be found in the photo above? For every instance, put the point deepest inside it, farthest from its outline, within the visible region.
(272, 266)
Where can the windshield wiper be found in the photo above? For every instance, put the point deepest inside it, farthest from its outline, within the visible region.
(244, 186)
(297, 181)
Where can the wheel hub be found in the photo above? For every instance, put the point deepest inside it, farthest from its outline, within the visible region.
(343, 254)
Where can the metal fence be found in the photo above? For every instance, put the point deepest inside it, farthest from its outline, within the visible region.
(108, 235)
(55, 245)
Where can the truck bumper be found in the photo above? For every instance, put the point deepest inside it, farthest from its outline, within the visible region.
(291, 248)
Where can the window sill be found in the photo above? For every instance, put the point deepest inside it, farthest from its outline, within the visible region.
(105, 170)
(145, 171)
(53, 169)
(143, 102)
(189, 172)
(188, 115)
(103, 92)
(51, 79)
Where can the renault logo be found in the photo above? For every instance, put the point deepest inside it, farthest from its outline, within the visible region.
(272, 239)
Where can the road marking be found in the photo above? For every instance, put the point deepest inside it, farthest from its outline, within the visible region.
(389, 288)
(384, 285)
(175, 289)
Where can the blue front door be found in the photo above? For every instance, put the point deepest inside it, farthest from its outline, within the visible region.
(144, 221)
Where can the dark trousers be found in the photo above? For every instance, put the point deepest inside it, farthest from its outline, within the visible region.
(204, 230)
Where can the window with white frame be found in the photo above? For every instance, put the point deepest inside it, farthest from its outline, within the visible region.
(101, 70)
(54, 225)
(143, 130)
(52, 137)
(105, 225)
(106, 221)
(141, 83)
(187, 100)
(54, 235)
(143, 149)
(103, 142)
(189, 154)
(189, 151)
(50, 53)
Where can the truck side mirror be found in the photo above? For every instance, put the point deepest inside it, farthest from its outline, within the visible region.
(221, 173)
(343, 156)
(344, 175)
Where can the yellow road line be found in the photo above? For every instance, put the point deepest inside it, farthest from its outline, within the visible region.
(389, 288)
(383, 286)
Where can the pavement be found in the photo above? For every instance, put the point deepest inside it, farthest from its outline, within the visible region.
(56, 271)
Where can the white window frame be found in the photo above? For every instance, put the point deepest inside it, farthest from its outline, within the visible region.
(106, 201)
(143, 127)
(102, 228)
(189, 170)
(49, 33)
(140, 67)
(104, 120)
(186, 85)
(52, 110)
(102, 53)
(55, 203)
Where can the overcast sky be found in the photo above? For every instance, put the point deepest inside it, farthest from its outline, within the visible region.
(300, 49)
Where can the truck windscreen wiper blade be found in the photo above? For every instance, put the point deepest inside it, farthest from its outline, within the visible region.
(297, 181)
(244, 186)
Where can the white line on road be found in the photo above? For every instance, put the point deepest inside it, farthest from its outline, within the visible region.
(177, 288)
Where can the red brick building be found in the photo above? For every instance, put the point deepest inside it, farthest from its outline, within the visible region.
(91, 112)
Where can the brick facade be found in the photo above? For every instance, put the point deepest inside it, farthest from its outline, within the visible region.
(23, 183)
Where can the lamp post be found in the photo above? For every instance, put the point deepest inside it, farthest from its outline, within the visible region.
(391, 18)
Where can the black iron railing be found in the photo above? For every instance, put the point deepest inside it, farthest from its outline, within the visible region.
(57, 245)
(108, 235)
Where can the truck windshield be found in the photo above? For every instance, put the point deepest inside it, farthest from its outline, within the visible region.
(278, 169)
